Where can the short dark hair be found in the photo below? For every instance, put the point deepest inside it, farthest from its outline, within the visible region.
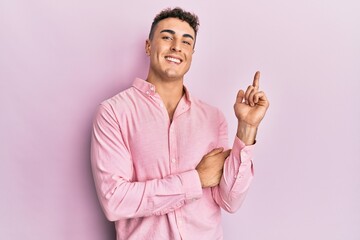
(179, 13)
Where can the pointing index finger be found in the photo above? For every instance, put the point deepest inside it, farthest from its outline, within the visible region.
(256, 80)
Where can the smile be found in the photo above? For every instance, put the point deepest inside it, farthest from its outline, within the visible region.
(174, 60)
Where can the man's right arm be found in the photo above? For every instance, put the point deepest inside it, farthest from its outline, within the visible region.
(210, 168)
(119, 196)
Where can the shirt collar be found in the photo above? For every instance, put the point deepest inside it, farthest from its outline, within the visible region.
(149, 89)
(144, 86)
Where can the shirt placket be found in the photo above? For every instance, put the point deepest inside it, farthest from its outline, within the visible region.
(174, 160)
(172, 148)
(173, 156)
(174, 164)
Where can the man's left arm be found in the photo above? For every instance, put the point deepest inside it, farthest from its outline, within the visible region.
(250, 108)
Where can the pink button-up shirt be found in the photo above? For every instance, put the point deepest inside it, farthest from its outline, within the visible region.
(144, 166)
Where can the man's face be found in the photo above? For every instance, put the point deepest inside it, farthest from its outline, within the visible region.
(171, 49)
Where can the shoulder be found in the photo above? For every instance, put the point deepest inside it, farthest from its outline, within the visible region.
(123, 99)
(119, 104)
(208, 109)
(203, 105)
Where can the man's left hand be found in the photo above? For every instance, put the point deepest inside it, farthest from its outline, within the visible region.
(250, 108)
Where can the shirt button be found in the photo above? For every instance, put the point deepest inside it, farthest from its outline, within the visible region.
(147, 92)
(173, 160)
(152, 88)
(240, 176)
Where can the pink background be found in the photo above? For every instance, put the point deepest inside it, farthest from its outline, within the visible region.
(60, 59)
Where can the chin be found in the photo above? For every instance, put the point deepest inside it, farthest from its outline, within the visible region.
(174, 75)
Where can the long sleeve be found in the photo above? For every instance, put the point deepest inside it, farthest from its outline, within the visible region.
(237, 173)
(113, 172)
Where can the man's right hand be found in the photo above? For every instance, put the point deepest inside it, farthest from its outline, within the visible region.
(210, 168)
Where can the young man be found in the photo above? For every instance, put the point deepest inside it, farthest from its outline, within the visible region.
(158, 158)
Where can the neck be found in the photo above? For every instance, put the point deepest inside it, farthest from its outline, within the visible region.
(170, 91)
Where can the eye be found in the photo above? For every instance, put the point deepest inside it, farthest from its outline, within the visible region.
(166, 38)
(186, 42)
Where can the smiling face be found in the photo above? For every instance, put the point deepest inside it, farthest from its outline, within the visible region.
(170, 49)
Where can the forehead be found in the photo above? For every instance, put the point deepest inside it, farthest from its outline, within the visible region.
(175, 24)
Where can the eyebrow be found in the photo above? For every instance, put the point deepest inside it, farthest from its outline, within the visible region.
(173, 32)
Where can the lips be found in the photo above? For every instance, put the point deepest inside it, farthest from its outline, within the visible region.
(173, 59)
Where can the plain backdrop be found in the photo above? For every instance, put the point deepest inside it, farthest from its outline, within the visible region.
(60, 59)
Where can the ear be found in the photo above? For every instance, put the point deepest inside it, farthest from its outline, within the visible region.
(147, 47)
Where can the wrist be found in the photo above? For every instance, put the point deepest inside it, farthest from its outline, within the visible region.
(246, 133)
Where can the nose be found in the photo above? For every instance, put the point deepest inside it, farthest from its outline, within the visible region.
(176, 46)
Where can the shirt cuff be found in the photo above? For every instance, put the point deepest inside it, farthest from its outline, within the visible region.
(240, 149)
(191, 185)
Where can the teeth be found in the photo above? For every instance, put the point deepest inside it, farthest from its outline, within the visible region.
(175, 60)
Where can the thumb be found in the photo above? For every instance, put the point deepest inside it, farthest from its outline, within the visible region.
(240, 96)
(215, 151)
(226, 153)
